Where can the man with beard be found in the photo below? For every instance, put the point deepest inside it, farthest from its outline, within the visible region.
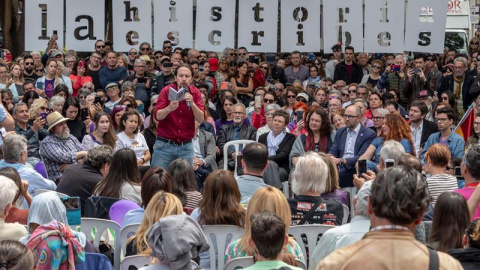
(60, 149)
(94, 68)
(462, 85)
(420, 127)
(29, 68)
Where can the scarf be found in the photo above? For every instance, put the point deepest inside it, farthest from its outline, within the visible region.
(274, 142)
(459, 82)
(56, 247)
(310, 143)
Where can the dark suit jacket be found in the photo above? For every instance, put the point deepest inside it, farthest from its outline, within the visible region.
(281, 158)
(364, 139)
(429, 127)
(207, 147)
(470, 89)
(225, 134)
(341, 73)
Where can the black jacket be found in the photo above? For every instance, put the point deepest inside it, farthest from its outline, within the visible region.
(278, 74)
(469, 258)
(428, 128)
(281, 158)
(225, 134)
(470, 89)
(341, 73)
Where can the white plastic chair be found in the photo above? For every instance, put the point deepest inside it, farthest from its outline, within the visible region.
(126, 232)
(235, 144)
(40, 191)
(346, 212)
(311, 231)
(103, 225)
(239, 263)
(301, 264)
(220, 234)
(138, 260)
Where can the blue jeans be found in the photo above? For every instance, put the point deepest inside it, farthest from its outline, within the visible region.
(164, 153)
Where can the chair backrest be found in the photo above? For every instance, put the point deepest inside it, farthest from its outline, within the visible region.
(219, 236)
(301, 264)
(312, 233)
(40, 191)
(126, 232)
(236, 144)
(239, 263)
(101, 226)
(138, 261)
(98, 207)
(346, 212)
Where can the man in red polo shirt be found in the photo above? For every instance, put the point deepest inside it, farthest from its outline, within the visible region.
(176, 120)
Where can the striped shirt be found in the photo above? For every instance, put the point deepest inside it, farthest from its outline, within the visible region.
(439, 183)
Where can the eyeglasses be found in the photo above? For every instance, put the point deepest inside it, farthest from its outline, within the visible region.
(43, 108)
(266, 100)
(238, 113)
(167, 47)
(301, 100)
(28, 63)
(264, 68)
(429, 59)
(347, 116)
(441, 119)
(132, 53)
(376, 118)
(88, 87)
(129, 105)
(444, 98)
(345, 95)
(38, 70)
(232, 54)
(333, 97)
(81, 97)
(145, 49)
(291, 96)
(376, 67)
(474, 43)
(352, 91)
(100, 46)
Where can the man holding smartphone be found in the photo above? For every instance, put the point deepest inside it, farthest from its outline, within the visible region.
(141, 81)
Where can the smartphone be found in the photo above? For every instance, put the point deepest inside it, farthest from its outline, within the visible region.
(44, 115)
(3, 132)
(362, 167)
(416, 71)
(2, 53)
(81, 64)
(39, 85)
(395, 67)
(83, 114)
(55, 32)
(224, 86)
(201, 69)
(458, 172)
(98, 100)
(167, 64)
(72, 205)
(239, 164)
(258, 101)
(142, 80)
(389, 163)
(299, 116)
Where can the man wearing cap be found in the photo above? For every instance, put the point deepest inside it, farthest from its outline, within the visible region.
(463, 85)
(113, 92)
(398, 200)
(59, 149)
(112, 73)
(302, 97)
(166, 77)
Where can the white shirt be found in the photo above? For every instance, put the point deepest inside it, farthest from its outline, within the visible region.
(350, 142)
(138, 144)
(196, 146)
(417, 137)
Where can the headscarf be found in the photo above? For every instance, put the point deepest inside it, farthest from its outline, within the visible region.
(56, 247)
(175, 240)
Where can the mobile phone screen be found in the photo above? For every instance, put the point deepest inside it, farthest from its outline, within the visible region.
(362, 167)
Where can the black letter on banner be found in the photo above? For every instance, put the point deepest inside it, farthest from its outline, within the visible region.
(130, 36)
(257, 10)
(44, 36)
(89, 35)
(384, 10)
(211, 37)
(173, 14)
(129, 11)
(424, 38)
(300, 14)
(216, 14)
(384, 39)
(255, 37)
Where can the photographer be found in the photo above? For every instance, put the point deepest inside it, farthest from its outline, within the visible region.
(394, 78)
(141, 81)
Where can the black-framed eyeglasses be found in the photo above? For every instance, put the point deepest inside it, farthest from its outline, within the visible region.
(345, 95)
(347, 116)
(29, 64)
(100, 46)
(352, 91)
(266, 100)
(264, 68)
(132, 53)
(167, 47)
(376, 118)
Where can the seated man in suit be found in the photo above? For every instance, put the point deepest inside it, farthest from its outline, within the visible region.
(233, 132)
(349, 144)
(203, 154)
(421, 128)
(279, 143)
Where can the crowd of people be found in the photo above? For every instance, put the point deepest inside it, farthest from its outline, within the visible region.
(365, 142)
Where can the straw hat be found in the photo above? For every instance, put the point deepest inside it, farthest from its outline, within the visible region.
(55, 118)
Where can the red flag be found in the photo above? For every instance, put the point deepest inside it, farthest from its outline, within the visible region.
(464, 127)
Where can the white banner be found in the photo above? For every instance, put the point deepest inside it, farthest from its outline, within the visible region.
(425, 26)
(343, 22)
(300, 26)
(37, 35)
(215, 25)
(386, 26)
(132, 23)
(173, 17)
(86, 24)
(256, 32)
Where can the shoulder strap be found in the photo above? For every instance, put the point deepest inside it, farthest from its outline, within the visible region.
(310, 213)
(433, 263)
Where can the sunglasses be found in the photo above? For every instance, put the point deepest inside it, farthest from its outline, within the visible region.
(88, 87)
(266, 100)
(28, 63)
(100, 46)
(81, 97)
(132, 53)
(291, 96)
(167, 47)
(333, 97)
(444, 98)
(352, 91)
(264, 68)
(301, 100)
(43, 108)
(129, 106)
(474, 43)
(345, 95)
(429, 59)
(39, 70)
(145, 49)
(232, 54)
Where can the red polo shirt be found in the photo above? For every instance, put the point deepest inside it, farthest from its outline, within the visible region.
(179, 125)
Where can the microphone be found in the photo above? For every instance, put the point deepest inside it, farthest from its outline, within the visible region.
(189, 106)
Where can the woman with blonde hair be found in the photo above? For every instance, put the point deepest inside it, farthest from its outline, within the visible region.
(332, 187)
(265, 199)
(161, 205)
